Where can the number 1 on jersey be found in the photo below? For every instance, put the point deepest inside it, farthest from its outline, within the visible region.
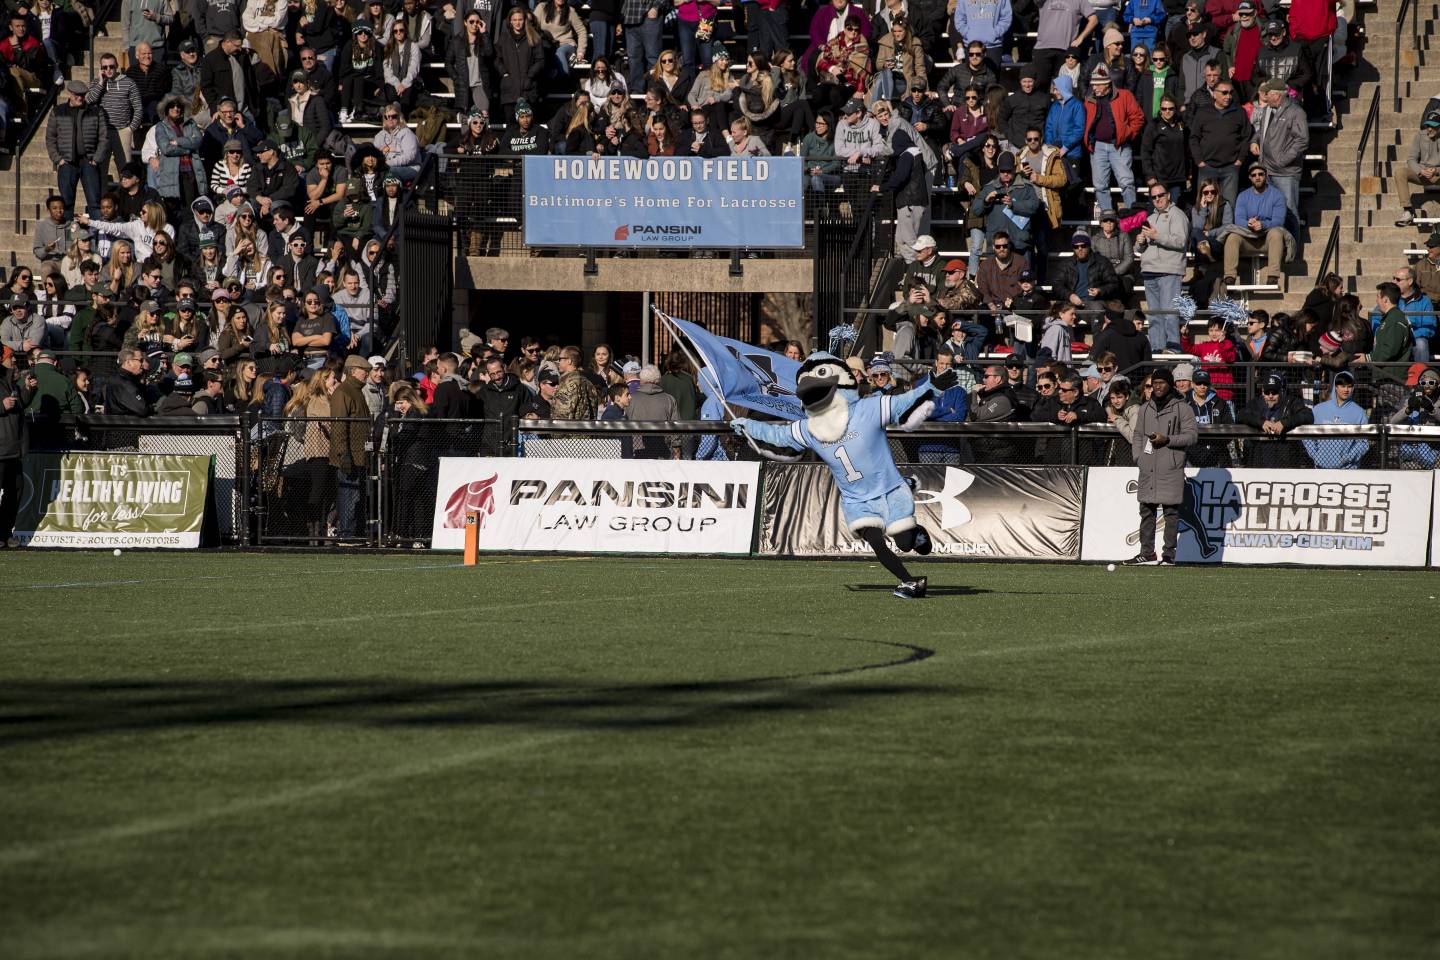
(851, 474)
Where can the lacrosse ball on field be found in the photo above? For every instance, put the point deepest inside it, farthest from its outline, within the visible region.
(117, 551)
(1110, 567)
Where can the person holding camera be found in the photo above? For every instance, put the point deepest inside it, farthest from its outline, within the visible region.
(1421, 409)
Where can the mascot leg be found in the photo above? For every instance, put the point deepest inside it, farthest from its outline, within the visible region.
(876, 538)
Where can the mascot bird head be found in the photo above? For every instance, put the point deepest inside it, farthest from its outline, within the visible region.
(826, 388)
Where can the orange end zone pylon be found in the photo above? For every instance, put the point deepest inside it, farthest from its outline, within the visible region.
(472, 538)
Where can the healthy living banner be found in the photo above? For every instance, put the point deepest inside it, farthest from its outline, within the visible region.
(1013, 513)
(668, 202)
(89, 500)
(597, 506)
(1379, 518)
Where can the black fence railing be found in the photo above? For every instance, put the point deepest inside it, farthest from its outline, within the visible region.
(278, 483)
(1408, 41)
(1330, 258)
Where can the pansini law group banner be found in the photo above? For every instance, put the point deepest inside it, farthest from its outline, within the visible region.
(667, 202)
(597, 506)
(92, 500)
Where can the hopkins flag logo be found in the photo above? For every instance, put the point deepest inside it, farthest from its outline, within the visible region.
(476, 497)
(622, 232)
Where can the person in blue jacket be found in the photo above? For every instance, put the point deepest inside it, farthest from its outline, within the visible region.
(1418, 309)
(1260, 209)
(1337, 453)
(984, 21)
(952, 406)
(1145, 18)
(1065, 123)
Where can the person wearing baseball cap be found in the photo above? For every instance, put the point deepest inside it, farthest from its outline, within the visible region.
(1282, 59)
(859, 138)
(1282, 134)
(271, 179)
(1421, 167)
(1243, 44)
(1427, 268)
(1085, 281)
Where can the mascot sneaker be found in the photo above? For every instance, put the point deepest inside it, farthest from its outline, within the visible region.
(911, 589)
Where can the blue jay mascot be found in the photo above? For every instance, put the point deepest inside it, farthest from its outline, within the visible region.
(848, 435)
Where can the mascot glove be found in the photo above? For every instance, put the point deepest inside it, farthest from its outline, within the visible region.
(739, 425)
(944, 381)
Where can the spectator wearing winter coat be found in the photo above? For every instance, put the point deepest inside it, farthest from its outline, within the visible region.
(1335, 453)
(400, 68)
(1113, 123)
(1421, 167)
(1197, 52)
(226, 71)
(1164, 239)
(1219, 140)
(1164, 430)
(520, 62)
(1210, 409)
(467, 61)
(1164, 149)
(971, 71)
(151, 78)
(1419, 311)
(1281, 59)
(78, 145)
(1009, 204)
(1120, 337)
(828, 22)
(1065, 123)
(1026, 108)
(1282, 135)
(15, 396)
(1243, 44)
(1275, 411)
(173, 146)
(909, 182)
(272, 179)
(651, 403)
(1086, 281)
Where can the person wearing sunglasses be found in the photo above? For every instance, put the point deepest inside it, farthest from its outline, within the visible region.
(1274, 411)
(1421, 409)
(1220, 137)
(1163, 242)
(1164, 429)
(970, 70)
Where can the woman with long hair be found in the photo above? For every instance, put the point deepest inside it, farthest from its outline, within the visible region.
(249, 264)
(310, 489)
(58, 311)
(757, 93)
(414, 462)
(140, 231)
(240, 385)
(184, 330)
(231, 170)
(659, 141)
(123, 269)
(208, 270)
(564, 33)
(520, 61)
(899, 62)
(601, 81)
(817, 148)
(968, 130)
(603, 365)
(579, 132)
(714, 91)
(667, 75)
(794, 118)
(1210, 215)
(467, 61)
(401, 68)
(1349, 336)
(272, 339)
(979, 169)
(147, 331)
(360, 74)
(82, 249)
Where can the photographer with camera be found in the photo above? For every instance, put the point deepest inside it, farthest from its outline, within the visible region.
(1421, 409)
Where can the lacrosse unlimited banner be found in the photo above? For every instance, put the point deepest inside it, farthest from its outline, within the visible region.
(1368, 518)
(1012, 513)
(669, 202)
(597, 506)
(90, 500)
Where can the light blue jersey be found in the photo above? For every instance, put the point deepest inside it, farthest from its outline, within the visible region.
(872, 492)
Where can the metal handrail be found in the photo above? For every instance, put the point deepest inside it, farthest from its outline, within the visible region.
(1413, 9)
(1331, 257)
(1372, 119)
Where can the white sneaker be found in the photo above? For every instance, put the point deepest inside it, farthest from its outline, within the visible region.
(344, 117)
(1407, 220)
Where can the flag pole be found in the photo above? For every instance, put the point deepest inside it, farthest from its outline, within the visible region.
(685, 345)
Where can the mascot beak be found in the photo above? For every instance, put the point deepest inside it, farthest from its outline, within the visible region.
(815, 392)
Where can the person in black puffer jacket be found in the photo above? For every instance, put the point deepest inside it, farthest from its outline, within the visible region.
(1164, 150)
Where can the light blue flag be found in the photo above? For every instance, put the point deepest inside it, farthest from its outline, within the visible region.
(748, 376)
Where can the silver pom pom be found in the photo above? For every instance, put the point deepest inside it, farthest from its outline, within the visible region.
(1185, 306)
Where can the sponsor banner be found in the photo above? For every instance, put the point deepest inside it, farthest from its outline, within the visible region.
(597, 506)
(1012, 513)
(89, 500)
(1307, 517)
(667, 202)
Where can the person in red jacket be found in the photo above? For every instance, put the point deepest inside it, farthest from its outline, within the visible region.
(1312, 24)
(1113, 121)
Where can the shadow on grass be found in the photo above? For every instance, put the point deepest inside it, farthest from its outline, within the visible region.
(49, 710)
(932, 591)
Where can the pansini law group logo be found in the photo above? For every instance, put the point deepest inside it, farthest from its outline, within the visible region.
(658, 232)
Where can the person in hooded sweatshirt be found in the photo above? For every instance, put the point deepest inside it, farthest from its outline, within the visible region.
(1164, 430)
(1338, 453)
(1275, 411)
(910, 183)
(1065, 123)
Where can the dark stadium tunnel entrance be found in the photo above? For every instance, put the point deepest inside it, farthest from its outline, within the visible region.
(32, 711)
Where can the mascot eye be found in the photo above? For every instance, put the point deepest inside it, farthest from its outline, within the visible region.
(826, 370)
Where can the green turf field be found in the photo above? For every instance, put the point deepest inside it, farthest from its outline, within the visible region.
(210, 755)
